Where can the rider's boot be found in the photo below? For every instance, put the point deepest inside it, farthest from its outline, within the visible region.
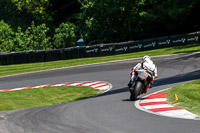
(145, 90)
(148, 86)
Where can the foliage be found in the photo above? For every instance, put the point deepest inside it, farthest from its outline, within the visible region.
(61, 22)
(115, 20)
(165, 17)
(6, 37)
(34, 38)
(108, 21)
(64, 36)
(39, 8)
(23, 12)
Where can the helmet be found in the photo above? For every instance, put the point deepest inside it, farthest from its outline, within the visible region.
(146, 57)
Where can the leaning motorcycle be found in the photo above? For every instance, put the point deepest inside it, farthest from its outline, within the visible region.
(141, 81)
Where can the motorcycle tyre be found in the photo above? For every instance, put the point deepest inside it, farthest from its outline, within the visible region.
(136, 90)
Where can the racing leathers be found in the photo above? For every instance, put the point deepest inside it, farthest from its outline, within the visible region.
(140, 66)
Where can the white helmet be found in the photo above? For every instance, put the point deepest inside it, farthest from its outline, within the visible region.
(146, 57)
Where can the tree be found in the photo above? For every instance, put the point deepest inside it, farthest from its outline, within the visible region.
(116, 21)
(6, 37)
(109, 21)
(64, 36)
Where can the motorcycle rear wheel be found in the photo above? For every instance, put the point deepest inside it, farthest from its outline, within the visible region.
(136, 90)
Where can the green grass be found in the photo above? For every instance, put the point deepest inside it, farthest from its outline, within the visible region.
(30, 98)
(188, 96)
(30, 67)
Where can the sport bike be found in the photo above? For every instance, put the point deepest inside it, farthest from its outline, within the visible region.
(141, 81)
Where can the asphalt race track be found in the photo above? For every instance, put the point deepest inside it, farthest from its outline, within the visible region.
(111, 112)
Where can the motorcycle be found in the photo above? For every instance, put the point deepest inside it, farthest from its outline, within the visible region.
(141, 81)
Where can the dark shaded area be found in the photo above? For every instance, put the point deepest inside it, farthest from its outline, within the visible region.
(66, 10)
(11, 15)
(56, 12)
(133, 20)
(194, 20)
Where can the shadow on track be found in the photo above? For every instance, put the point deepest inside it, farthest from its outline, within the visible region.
(194, 56)
(185, 57)
(159, 82)
(178, 78)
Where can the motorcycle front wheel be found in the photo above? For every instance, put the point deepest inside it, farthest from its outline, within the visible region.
(136, 90)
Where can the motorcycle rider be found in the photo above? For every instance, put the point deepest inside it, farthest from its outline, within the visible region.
(146, 63)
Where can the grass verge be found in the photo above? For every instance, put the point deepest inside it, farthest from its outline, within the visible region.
(30, 98)
(31, 67)
(188, 96)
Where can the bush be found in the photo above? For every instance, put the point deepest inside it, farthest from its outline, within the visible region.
(64, 36)
(6, 37)
(34, 38)
(37, 37)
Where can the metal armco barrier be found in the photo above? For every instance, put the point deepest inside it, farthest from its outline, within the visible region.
(98, 50)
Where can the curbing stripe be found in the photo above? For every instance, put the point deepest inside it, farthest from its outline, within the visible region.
(159, 103)
(6, 90)
(83, 83)
(95, 84)
(50, 85)
(100, 85)
(157, 95)
(153, 103)
(29, 87)
(156, 103)
(153, 100)
(157, 106)
(164, 109)
(68, 84)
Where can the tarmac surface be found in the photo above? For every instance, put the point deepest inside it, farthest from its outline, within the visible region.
(110, 112)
